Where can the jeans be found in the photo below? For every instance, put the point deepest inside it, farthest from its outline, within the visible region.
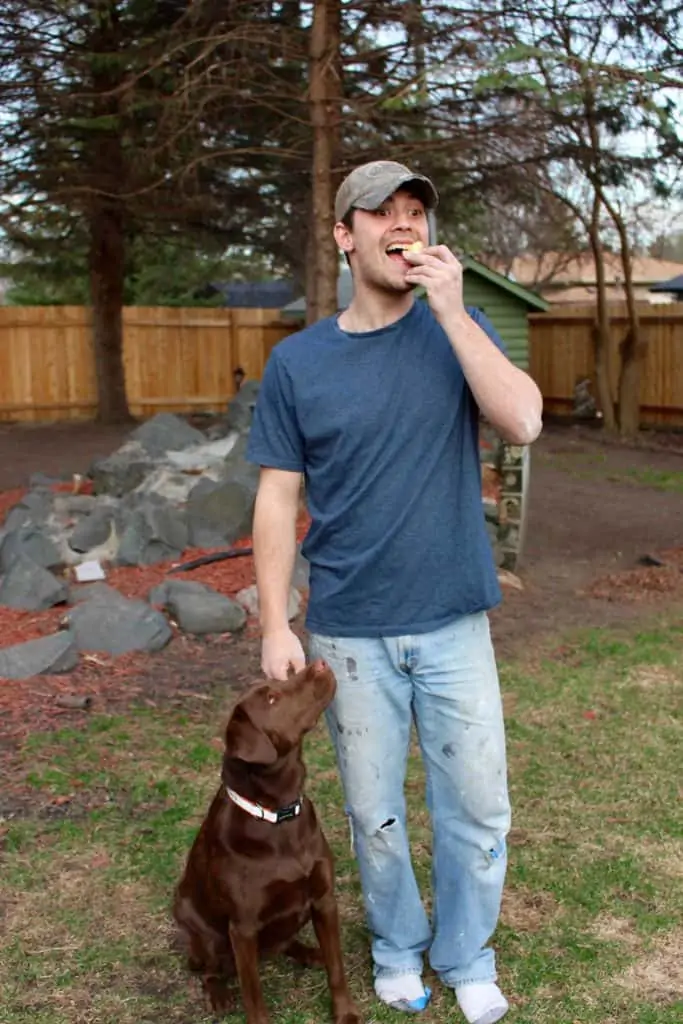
(446, 682)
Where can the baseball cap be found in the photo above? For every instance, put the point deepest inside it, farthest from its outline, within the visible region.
(369, 185)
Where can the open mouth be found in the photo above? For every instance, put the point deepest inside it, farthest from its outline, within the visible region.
(396, 249)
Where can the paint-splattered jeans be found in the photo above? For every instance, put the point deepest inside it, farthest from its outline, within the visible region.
(448, 683)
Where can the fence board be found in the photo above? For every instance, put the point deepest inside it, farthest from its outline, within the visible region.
(175, 360)
(561, 353)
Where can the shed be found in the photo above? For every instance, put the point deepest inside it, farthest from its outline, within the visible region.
(505, 303)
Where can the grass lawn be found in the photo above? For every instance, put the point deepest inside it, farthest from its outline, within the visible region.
(594, 465)
(592, 928)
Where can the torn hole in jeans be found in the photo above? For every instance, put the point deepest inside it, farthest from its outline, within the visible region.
(496, 852)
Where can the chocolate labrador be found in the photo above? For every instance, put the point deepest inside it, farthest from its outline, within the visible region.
(260, 867)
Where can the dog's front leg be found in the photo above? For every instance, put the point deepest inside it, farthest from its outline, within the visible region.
(325, 919)
(245, 948)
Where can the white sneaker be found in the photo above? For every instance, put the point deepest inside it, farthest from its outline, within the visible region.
(403, 992)
(482, 1003)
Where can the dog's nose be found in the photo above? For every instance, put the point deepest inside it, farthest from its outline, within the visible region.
(319, 665)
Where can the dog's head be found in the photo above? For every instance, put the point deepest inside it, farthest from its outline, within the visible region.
(270, 719)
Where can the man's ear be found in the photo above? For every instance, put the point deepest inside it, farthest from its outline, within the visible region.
(343, 237)
(245, 741)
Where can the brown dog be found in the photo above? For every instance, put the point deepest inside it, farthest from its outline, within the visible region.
(260, 867)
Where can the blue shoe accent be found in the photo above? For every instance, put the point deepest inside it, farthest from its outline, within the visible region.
(413, 1005)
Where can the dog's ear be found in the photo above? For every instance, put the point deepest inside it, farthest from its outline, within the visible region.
(245, 740)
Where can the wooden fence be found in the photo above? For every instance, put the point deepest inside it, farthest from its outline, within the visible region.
(176, 360)
(561, 353)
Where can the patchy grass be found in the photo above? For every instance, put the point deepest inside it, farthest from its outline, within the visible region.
(591, 925)
(595, 465)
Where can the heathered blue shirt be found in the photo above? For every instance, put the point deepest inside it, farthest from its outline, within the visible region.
(385, 429)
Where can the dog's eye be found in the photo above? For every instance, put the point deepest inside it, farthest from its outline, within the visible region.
(273, 697)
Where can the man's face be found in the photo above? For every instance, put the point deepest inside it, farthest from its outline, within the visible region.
(400, 219)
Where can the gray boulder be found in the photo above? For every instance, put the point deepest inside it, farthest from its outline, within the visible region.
(28, 586)
(151, 531)
(166, 432)
(197, 608)
(240, 410)
(75, 504)
(55, 653)
(115, 625)
(80, 592)
(92, 529)
(220, 512)
(34, 508)
(30, 540)
(121, 472)
(248, 599)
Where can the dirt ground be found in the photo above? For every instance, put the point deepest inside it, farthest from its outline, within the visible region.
(590, 516)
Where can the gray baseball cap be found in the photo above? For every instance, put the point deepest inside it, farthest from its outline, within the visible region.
(369, 185)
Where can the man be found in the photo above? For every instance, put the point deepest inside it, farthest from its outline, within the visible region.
(378, 409)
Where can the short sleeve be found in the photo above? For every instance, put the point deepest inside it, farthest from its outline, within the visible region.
(481, 320)
(275, 440)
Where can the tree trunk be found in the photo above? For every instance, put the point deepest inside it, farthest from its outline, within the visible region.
(312, 314)
(325, 106)
(107, 270)
(602, 327)
(106, 216)
(633, 347)
(629, 385)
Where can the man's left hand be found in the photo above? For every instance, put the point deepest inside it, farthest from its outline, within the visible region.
(439, 272)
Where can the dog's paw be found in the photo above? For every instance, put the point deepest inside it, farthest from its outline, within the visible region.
(349, 1016)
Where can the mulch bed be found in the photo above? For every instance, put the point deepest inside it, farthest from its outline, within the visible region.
(195, 663)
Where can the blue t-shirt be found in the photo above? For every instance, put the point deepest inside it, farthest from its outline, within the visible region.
(384, 428)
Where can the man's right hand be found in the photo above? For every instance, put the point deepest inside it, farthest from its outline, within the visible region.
(280, 652)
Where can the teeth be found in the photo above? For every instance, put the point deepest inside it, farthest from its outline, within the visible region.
(405, 247)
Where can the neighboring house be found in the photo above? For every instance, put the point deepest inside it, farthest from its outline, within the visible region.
(673, 288)
(505, 303)
(254, 294)
(570, 277)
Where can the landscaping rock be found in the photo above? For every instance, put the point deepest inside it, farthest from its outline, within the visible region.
(197, 608)
(80, 592)
(248, 598)
(166, 432)
(204, 456)
(241, 408)
(32, 541)
(34, 508)
(76, 504)
(153, 532)
(220, 513)
(112, 624)
(28, 586)
(55, 653)
(92, 530)
(122, 472)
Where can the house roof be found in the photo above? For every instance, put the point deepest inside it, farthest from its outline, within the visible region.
(345, 289)
(255, 294)
(554, 270)
(674, 284)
